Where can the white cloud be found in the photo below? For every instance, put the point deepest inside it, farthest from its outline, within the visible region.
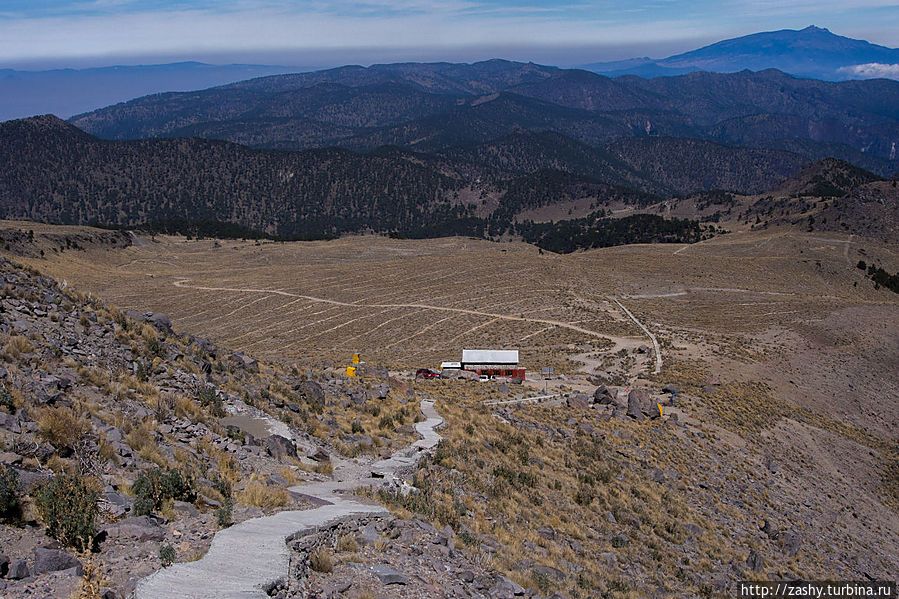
(871, 70)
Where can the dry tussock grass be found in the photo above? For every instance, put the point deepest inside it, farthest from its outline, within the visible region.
(264, 496)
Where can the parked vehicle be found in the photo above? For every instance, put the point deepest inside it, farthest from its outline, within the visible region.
(426, 373)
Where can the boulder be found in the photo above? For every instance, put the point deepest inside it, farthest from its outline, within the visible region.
(549, 572)
(139, 528)
(207, 347)
(634, 409)
(29, 480)
(278, 447)
(242, 360)
(18, 570)
(605, 396)
(359, 396)
(320, 455)
(669, 388)
(160, 321)
(311, 392)
(755, 562)
(578, 402)
(791, 543)
(643, 349)
(383, 391)
(642, 400)
(54, 560)
(4, 565)
(388, 575)
(505, 589)
(368, 536)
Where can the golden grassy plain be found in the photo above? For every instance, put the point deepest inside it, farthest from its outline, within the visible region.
(784, 351)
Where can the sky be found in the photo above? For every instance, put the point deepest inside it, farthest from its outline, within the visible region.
(321, 33)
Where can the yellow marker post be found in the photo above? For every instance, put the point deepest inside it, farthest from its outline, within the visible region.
(356, 358)
(660, 410)
(351, 371)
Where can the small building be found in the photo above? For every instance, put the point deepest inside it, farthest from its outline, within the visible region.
(493, 362)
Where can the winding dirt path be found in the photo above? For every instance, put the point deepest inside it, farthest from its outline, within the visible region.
(246, 557)
(655, 342)
(183, 283)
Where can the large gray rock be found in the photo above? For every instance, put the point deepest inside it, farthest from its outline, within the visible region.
(160, 321)
(605, 396)
(791, 543)
(242, 360)
(278, 447)
(139, 528)
(311, 392)
(505, 589)
(53, 560)
(755, 562)
(320, 455)
(18, 570)
(639, 399)
(634, 409)
(388, 575)
(578, 402)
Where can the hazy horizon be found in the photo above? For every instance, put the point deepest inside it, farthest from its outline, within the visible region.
(312, 34)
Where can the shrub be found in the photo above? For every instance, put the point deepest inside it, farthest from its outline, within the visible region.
(152, 489)
(347, 544)
(224, 515)
(7, 401)
(210, 399)
(167, 555)
(9, 494)
(320, 560)
(68, 507)
(61, 427)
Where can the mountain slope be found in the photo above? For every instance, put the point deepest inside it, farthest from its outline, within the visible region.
(73, 91)
(437, 107)
(811, 52)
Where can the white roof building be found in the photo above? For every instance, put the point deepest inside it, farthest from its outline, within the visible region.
(490, 356)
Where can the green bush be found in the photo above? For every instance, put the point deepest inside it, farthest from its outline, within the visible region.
(68, 507)
(223, 515)
(209, 399)
(6, 401)
(152, 489)
(167, 555)
(9, 494)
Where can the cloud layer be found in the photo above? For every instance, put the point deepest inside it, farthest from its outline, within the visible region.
(872, 70)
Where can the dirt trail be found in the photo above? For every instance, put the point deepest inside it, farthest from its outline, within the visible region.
(183, 283)
(246, 557)
(655, 342)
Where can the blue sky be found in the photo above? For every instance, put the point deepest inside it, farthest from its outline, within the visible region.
(58, 33)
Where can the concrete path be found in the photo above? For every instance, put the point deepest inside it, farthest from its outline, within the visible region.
(244, 558)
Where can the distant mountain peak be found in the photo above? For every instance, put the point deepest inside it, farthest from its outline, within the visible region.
(814, 52)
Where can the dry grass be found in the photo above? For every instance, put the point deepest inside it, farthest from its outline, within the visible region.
(347, 544)
(61, 427)
(263, 496)
(320, 560)
(18, 345)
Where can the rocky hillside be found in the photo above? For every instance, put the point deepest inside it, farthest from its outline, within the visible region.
(120, 436)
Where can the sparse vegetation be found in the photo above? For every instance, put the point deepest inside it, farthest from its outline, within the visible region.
(67, 505)
(154, 488)
(9, 495)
